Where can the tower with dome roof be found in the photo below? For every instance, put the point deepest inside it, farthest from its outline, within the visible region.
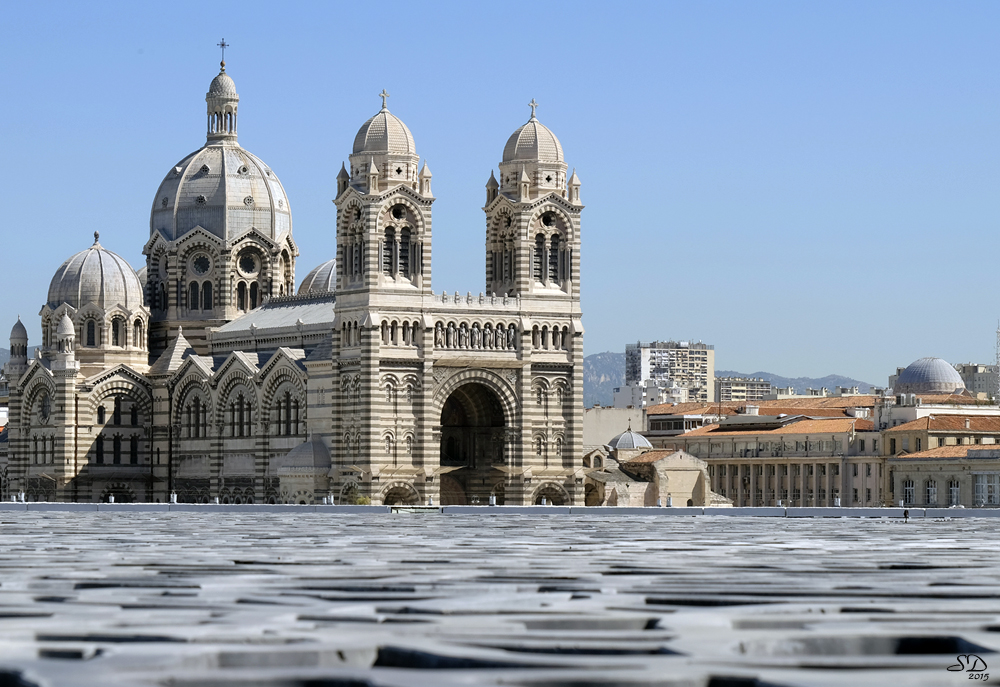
(220, 232)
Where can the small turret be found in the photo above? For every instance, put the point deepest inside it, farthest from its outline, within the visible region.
(574, 188)
(18, 363)
(425, 180)
(65, 356)
(492, 189)
(372, 177)
(343, 180)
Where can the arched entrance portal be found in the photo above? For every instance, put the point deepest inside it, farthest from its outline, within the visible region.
(472, 442)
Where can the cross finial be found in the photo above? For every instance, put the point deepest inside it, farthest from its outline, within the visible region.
(222, 44)
(97, 236)
(532, 105)
(383, 95)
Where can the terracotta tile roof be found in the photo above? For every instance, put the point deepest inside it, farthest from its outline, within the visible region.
(866, 401)
(951, 423)
(806, 426)
(950, 399)
(651, 456)
(692, 409)
(970, 451)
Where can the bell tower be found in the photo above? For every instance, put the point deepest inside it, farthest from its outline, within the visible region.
(533, 218)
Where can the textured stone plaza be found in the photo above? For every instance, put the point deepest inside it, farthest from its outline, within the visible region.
(306, 598)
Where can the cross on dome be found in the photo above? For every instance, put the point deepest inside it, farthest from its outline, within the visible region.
(97, 236)
(384, 94)
(222, 44)
(533, 105)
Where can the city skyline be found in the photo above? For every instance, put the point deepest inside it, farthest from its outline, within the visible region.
(819, 154)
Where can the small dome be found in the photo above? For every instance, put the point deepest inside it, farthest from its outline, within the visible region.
(18, 333)
(929, 376)
(321, 279)
(65, 328)
(311, 454)
(629, 440)
(533, 142)
(222, 84)
(142, 277)
(384, 133)
(98, 276)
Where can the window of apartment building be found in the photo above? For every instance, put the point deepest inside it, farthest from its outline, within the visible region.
(822, 495)
(916, 444)
(892, 446)
(953, 492)
(809, 470)
(711, 471)
(784, 470)
(855, 467)
(868, 469)
(784, 494)
(835, 470)
(874, 445)
(868, 495)
(908, 492)
(861, 446)
(797, 495)
(854, 495)
(822, 470)
(797, 470)
(930, 492)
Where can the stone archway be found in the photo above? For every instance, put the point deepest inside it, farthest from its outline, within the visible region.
(400, 494)
(473, 440)
(554, 494)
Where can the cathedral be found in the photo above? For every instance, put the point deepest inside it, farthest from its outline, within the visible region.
(206, 375)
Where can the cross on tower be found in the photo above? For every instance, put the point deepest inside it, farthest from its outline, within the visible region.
(532, 105)
(384, 94)
(222, 44)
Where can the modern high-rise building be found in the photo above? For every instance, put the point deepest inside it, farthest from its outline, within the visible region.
(741, 389)
(690, 366)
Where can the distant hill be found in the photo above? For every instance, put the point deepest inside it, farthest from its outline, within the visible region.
(602, 372)
(5, 355)
(800, 384)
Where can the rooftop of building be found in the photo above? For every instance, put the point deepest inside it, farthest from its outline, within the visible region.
(959, 452)
(767, 426)
(951, 423)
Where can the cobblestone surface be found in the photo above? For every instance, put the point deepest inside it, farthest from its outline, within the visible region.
(311, 599)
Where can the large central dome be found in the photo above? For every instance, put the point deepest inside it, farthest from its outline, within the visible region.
(221, 187)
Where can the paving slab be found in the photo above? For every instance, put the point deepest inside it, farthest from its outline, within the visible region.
(206, 595)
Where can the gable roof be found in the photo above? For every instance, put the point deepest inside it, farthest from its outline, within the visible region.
(803, 426)
(951, 423)
(968, 451)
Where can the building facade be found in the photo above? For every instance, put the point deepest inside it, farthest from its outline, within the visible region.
(736, 389)
(206, 376)
(684, 364)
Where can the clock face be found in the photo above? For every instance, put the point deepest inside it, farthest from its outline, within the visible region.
(248, 264)
(201, 264)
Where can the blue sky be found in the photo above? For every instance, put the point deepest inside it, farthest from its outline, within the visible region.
(811, 187)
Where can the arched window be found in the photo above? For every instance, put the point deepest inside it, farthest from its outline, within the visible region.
(133, 450)
(288, 413)
(117, 418)
(189, 424)
(254, 295)
(137, 338)
(554, 275)
(206, 296)
(91, 333)
(116, 332)
(117, 443)
(193, 292)
(538, 259)
(404, 253)
(101, 415)
(241, 296)
(278, 416)
(387, 249)
(100, 448)
(134, 415)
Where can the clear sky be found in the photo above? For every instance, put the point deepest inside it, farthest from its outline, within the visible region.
(812, 187)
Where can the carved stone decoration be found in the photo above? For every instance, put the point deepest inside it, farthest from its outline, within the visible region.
(511, 336)
(477, 336)
(500, 338)
(463, 336)
(452, 335)
(439, 335)
(488, 339)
